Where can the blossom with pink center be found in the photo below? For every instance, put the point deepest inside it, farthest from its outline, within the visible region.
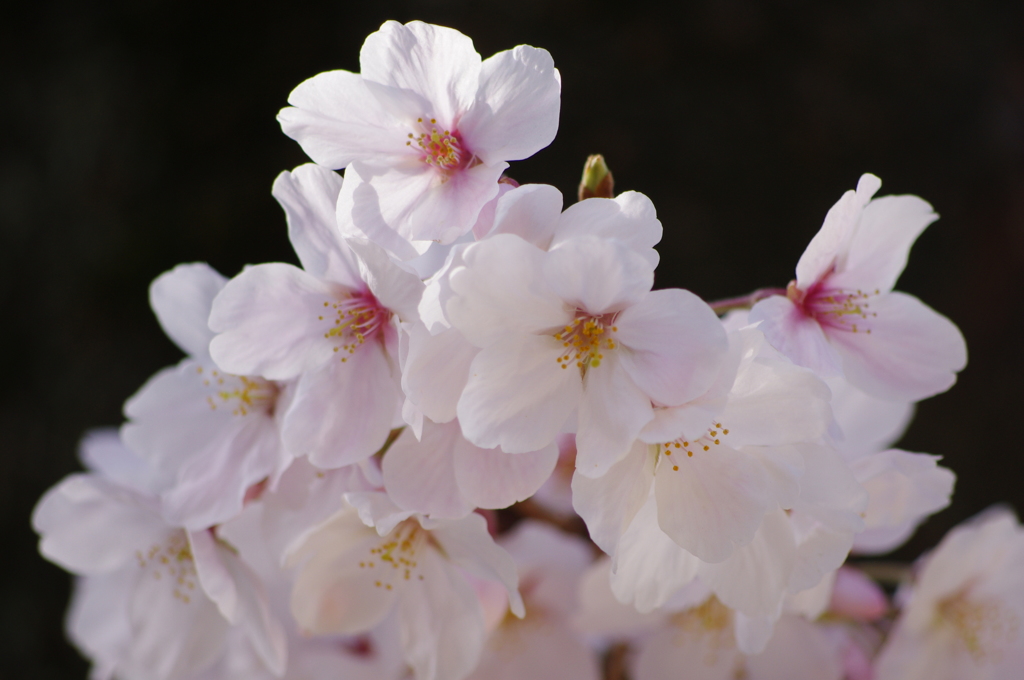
(840, 316)
(425, 129)
(331, 326)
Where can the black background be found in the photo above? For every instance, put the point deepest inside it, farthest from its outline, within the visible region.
(141, 134)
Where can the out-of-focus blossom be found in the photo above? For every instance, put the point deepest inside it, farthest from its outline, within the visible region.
(964, 613)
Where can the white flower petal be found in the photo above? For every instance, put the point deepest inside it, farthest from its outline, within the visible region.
(309, 196)
(911, 353)
(649, 567)
(336, 119)
(181, 299)
(268, 325)
(712, 502)
(608, 503)
(596, 275)
(491, 478)
(878, 250)
(517, 397)
(343, 412)
(629, 219)
(437, 63)
(673, 345)
(612, 412)
(516, 112)
(420, 475)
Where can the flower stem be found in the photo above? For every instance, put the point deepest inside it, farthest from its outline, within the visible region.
(744, 301)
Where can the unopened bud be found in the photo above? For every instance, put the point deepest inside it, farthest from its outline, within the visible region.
(597, 179)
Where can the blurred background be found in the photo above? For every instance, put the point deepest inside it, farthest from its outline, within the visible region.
(141, 134)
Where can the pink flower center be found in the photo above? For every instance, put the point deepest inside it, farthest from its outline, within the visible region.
(583, 340)
(354, 320)
(393, 560)
(443, 149)
(845, 310)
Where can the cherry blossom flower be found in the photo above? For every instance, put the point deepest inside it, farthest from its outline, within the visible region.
(965, 609)
(213, 435)
(331, 326)
(840, 316)
(425, 129)
(157, 600)
(372, 559)
(585, 305)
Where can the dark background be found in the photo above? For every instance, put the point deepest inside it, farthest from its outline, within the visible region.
(141, 134)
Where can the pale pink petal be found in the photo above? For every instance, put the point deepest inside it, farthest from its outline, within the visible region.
(517, 397)
(172, 636)
(420, 475)
(359, 213)
(336, 119)
(629, 218)
(798, 650)
(181, 299)
(867, 424)
(343, 412)
(698, 652)
(822, 549)
(531, 212)
(798, 336)
(440, 621)
(612, 412)
(467, 543)
(834, 236)
(829, 491)
(396, 288)
(772, 401)
(649, 567)
(516, 112)
(89, 526)
(673, 345)
(856, 596)
(336, 590)
(97, 621)
(903, 488)
(309, 196)
(600, 612)
(102, 451)
(608, 503)
(712, 502)
(753, 579)
(596, 275)
(264, 631)
(911, 352)
(878, 250)
(437, 63)
(420, 203)
(269, 320)
(435, 371)
(499, 292)
(214, 577)
(491, 478)
(541, 649)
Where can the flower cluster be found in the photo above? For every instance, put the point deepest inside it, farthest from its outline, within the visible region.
(312, 492)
